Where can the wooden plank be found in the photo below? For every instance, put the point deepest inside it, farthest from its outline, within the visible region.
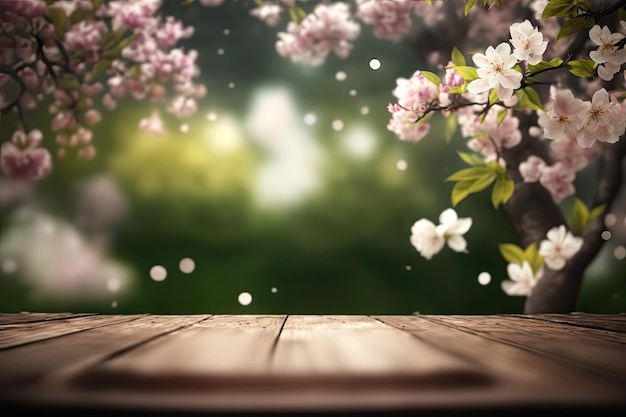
(521, 376)
(357, 351)
(598, 351)
(222, 351)
(610, 322)
(75, 351)
(26, 317)
(176, 365)
(20, 334)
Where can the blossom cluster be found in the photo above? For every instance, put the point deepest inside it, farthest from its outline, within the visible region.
(53, 58)
(558, 247)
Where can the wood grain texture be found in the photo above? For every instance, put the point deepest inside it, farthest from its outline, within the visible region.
(77, 350)
(12, 335)
(595, 350)
(208, 364)
(614, 323)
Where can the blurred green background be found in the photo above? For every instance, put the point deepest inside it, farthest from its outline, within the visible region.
(286, 185)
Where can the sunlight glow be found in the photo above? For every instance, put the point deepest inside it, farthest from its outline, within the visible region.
(293, 157)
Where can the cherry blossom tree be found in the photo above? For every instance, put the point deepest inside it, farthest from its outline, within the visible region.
(535, 88)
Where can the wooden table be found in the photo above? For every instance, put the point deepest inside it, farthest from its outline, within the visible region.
(433, 365)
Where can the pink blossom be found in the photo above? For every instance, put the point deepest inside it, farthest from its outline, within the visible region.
(390, 19)
(329, 28)
(558, 179)
(23, 158)
(532, 168)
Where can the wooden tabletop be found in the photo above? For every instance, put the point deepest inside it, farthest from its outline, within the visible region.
(267, 364)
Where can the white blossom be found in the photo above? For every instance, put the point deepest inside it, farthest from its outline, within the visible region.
(522, 279)
(528, 42)
(559, 246)
(495, 69)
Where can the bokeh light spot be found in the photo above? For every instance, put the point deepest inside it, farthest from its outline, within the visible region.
(402, 165)
(619, 252)
(187, 265)
(374, 64)
(484, 278)
(310, 119)
(158, 273)
(244, 298)
(610, 219)
(113, 284)
(340, 76)
(337, 125)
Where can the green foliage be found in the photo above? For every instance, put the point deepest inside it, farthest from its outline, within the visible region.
(528, 98)
(297, 14)
(573, 25)
(515, 254)
(582, 216)
(467, 72)
(560, 8)
(432, 77)
(584, 68)
(477, 178)
(545, 66)
(457, 57)
(487, 4)
(493, 97)
(59, 20)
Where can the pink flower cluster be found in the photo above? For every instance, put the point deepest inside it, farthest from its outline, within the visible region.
(390, 19)
(23, 158)
(329, 28)
(55, 65)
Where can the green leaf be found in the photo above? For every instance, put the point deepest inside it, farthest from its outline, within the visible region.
(457, 57)
(502, 191)
(580, 216)
(110, 39)
(468, 73)
(571, 26)
(464, 188)
(527, 97)
(531, 255)
(469, 174)
(493, 96)
(77, 16)
(584, 68)
(512, 253)
(432, 77)
(597, 211)
(545, 65)
(471, 159)
(100, 68)
(502, 114)
(468, 6)
(460, 89)
(297, 14)
(558, 8)
(59, 20)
